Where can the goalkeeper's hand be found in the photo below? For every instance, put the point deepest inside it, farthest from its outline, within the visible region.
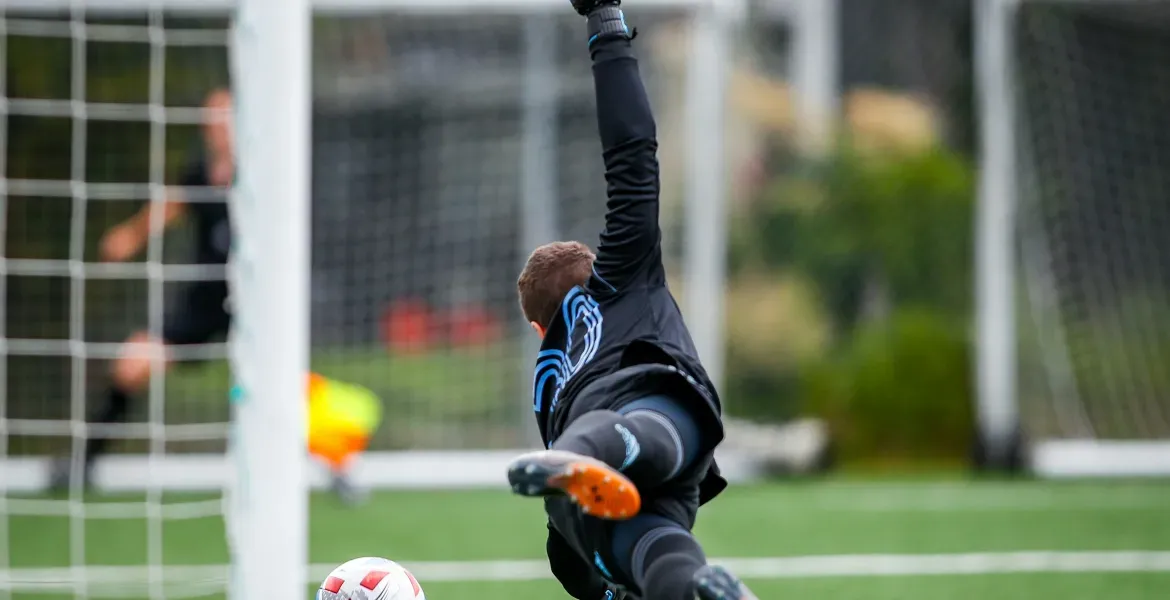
(585, 7)
(615, 593)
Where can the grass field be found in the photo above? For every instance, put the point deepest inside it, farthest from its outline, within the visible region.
(839, 539)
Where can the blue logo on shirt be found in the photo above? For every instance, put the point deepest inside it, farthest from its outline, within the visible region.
(555, 367)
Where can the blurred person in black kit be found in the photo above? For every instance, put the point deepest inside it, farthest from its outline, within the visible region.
(626, 411)
(201, 313)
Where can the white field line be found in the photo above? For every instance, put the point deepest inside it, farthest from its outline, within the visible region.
(961, 496)
(103, 581)
(1022, 500)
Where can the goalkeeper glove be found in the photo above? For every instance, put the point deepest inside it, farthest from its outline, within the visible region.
(613, 592)
(605, 19)
(607, 22)
(586, 7)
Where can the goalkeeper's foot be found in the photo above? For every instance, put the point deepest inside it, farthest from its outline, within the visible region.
(717, 583)
(600, 490)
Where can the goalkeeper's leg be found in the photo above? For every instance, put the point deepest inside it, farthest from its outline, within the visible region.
(605, 457)
(664, 560)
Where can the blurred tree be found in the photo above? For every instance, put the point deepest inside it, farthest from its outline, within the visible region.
(870, 231)
(901, 391)
(850, 300)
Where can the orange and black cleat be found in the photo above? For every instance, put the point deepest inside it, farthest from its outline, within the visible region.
(600, 490)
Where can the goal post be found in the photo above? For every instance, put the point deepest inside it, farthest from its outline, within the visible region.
(267, 516)
(1073, 295)
(997, 418)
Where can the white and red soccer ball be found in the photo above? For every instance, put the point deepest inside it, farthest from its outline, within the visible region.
(370, 578)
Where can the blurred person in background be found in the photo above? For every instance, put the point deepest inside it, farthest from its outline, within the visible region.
(201, 313)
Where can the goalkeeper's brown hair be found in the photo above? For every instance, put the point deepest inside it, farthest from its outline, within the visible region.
(551, 271)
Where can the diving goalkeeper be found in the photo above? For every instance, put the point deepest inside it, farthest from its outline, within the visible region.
(628, 415)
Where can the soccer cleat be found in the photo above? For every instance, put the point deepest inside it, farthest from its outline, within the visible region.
(600, 490)
(717, 583)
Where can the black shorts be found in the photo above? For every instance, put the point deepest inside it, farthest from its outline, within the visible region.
(199, 314)
(617, 389)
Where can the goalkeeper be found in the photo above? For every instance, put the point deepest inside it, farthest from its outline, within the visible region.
(623, 404)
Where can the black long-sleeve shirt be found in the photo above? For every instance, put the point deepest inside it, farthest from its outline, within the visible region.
(212, 229)
(630, 251)
(626, 300)
(624, 317)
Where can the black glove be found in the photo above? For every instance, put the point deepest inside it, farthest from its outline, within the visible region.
(616, 593)
(585, 7)
(604, 19)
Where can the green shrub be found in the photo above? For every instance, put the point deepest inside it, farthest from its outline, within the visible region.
(776, 323)
(901, 390)
(903, 221)
(852, 233)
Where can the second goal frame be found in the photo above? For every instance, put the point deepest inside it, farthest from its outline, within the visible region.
(997, 255)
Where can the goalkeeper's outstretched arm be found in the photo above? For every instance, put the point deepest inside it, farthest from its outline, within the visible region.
(630, 244)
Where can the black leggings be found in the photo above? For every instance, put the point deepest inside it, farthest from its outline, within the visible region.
(651, 440)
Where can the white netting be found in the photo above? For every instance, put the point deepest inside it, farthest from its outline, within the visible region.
(1092, 85)
(444, 150)
(99, 116)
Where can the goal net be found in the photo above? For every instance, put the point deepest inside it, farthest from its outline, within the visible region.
(1091, 143)
(447, 142)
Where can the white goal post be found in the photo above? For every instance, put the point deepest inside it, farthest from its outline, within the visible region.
(267, 516)
(1071, 303)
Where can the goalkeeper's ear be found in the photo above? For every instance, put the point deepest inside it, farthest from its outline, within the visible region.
(537, 328)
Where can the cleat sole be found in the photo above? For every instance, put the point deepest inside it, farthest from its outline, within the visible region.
(595, 487)
(599, 490)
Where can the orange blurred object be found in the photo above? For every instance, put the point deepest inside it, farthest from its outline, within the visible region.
(337, 449)
(342, 417)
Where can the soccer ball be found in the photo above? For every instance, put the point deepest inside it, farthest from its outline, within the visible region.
(370, 579)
